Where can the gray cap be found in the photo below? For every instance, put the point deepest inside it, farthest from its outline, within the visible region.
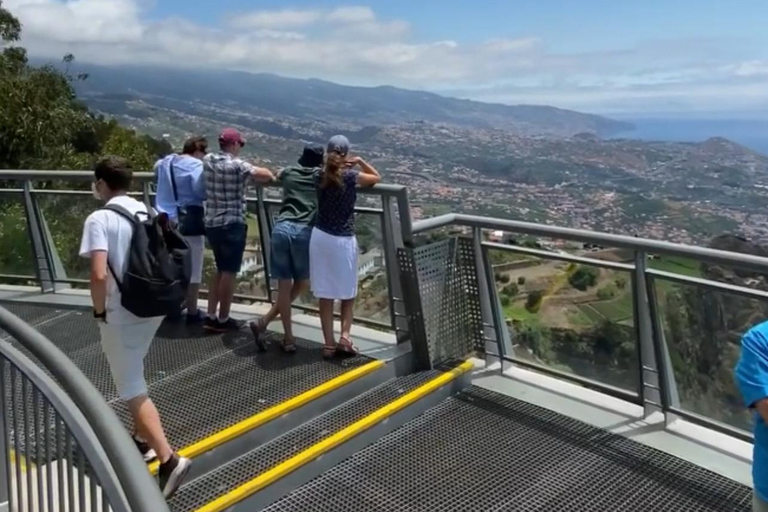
(338, 144)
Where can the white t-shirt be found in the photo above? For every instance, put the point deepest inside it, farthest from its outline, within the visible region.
(105, 230)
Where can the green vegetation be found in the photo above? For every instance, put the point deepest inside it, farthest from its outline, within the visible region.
(607, 292)
(533, 303)
(676, 265)
(584, 278)
(43, 126)
(521, 280)
(511, 290)
(503, 278)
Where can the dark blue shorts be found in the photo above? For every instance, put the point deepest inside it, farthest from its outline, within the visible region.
(228, 245)
(289, 254)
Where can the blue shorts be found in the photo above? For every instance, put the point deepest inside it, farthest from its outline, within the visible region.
(228, 245)
(289, 254)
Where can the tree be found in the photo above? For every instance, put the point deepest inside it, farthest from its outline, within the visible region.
(511, 290)
(533, 304)
(606, 292)
(521, 280)
(503, 278)
(505, 301)
(584, 278)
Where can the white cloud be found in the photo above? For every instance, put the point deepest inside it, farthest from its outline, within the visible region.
(275, 19)
(352, 15)
(363, 49)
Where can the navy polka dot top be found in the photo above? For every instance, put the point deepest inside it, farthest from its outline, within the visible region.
(336, 205)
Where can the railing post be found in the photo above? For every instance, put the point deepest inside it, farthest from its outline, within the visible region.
(5, 465)
(669, 393)
(489, 326)
(650, 389)
(145, 191)
(393, 240)
(43, 261)
(264, 239)
(502, 332)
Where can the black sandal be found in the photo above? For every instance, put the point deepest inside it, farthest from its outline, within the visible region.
(257, 329)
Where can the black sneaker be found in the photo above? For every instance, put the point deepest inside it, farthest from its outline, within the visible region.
(210, 324)
(172, 473)
(196, 318)
(146, 452)
(231, 325)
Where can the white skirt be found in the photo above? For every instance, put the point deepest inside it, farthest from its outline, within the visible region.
(333, 266)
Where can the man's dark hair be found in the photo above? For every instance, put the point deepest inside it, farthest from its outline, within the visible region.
(115, 171)
(195, 144)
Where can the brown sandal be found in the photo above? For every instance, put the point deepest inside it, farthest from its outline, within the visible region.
(345, 347)
(288, 346)
(329, 351)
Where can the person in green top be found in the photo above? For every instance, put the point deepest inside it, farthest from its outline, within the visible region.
(289, 253)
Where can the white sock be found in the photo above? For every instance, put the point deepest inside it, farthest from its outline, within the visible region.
(222, 320)
(212, 317)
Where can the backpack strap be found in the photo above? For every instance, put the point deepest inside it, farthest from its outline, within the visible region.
(123, 212)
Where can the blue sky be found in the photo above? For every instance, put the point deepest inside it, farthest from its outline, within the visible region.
(655, 56)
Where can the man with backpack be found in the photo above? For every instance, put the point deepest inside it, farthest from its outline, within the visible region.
(181, 195)
(131, 294)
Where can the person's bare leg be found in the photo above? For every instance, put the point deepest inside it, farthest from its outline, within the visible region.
(285, 301)
(213, 294)
(347, 310)
(148, 426)
(326, 321)
(193, 290)
(226, 292)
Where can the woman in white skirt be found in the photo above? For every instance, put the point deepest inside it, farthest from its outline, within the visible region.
(333, 246)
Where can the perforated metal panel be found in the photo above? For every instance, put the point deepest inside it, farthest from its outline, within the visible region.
(201, 383)
(209, 487)
(448, 297)
(481, 451)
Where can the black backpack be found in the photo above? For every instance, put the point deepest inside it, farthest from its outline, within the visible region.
(158, 267)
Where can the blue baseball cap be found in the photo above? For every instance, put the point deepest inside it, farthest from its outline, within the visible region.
(338, 144)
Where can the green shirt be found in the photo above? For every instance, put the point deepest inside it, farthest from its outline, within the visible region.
(299, 195)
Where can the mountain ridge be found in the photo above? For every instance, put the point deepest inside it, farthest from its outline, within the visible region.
(274, 96)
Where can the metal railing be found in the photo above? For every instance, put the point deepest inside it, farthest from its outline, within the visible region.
(657, 389)
(654, 382)
(62, 446)
(50, 272)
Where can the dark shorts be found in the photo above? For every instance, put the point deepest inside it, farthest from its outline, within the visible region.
(228, 245)
(289, 254)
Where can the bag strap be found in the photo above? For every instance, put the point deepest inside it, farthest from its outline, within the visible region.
(172, 172)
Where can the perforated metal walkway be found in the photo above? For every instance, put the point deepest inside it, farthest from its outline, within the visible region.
(481, 451)
(201, 383)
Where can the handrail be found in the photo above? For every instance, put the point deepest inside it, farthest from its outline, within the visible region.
(142, 493)
(715, 256)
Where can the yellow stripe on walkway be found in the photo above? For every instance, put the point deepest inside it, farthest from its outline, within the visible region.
(257, 420)
(277, 472)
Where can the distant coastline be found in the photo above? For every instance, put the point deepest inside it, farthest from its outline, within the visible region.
(750, 133)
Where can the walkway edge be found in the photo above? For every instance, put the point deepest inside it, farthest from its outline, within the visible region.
(209, 443)
(277, 472)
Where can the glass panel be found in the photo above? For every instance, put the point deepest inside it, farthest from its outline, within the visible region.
(65, 216)
(703, 328)
(16, 256)
(573, 318)
(373, 297)
(251, 280)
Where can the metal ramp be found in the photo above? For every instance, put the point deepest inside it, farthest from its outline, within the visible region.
(483, 451)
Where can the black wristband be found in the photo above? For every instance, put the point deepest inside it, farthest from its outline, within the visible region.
(100, 316)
